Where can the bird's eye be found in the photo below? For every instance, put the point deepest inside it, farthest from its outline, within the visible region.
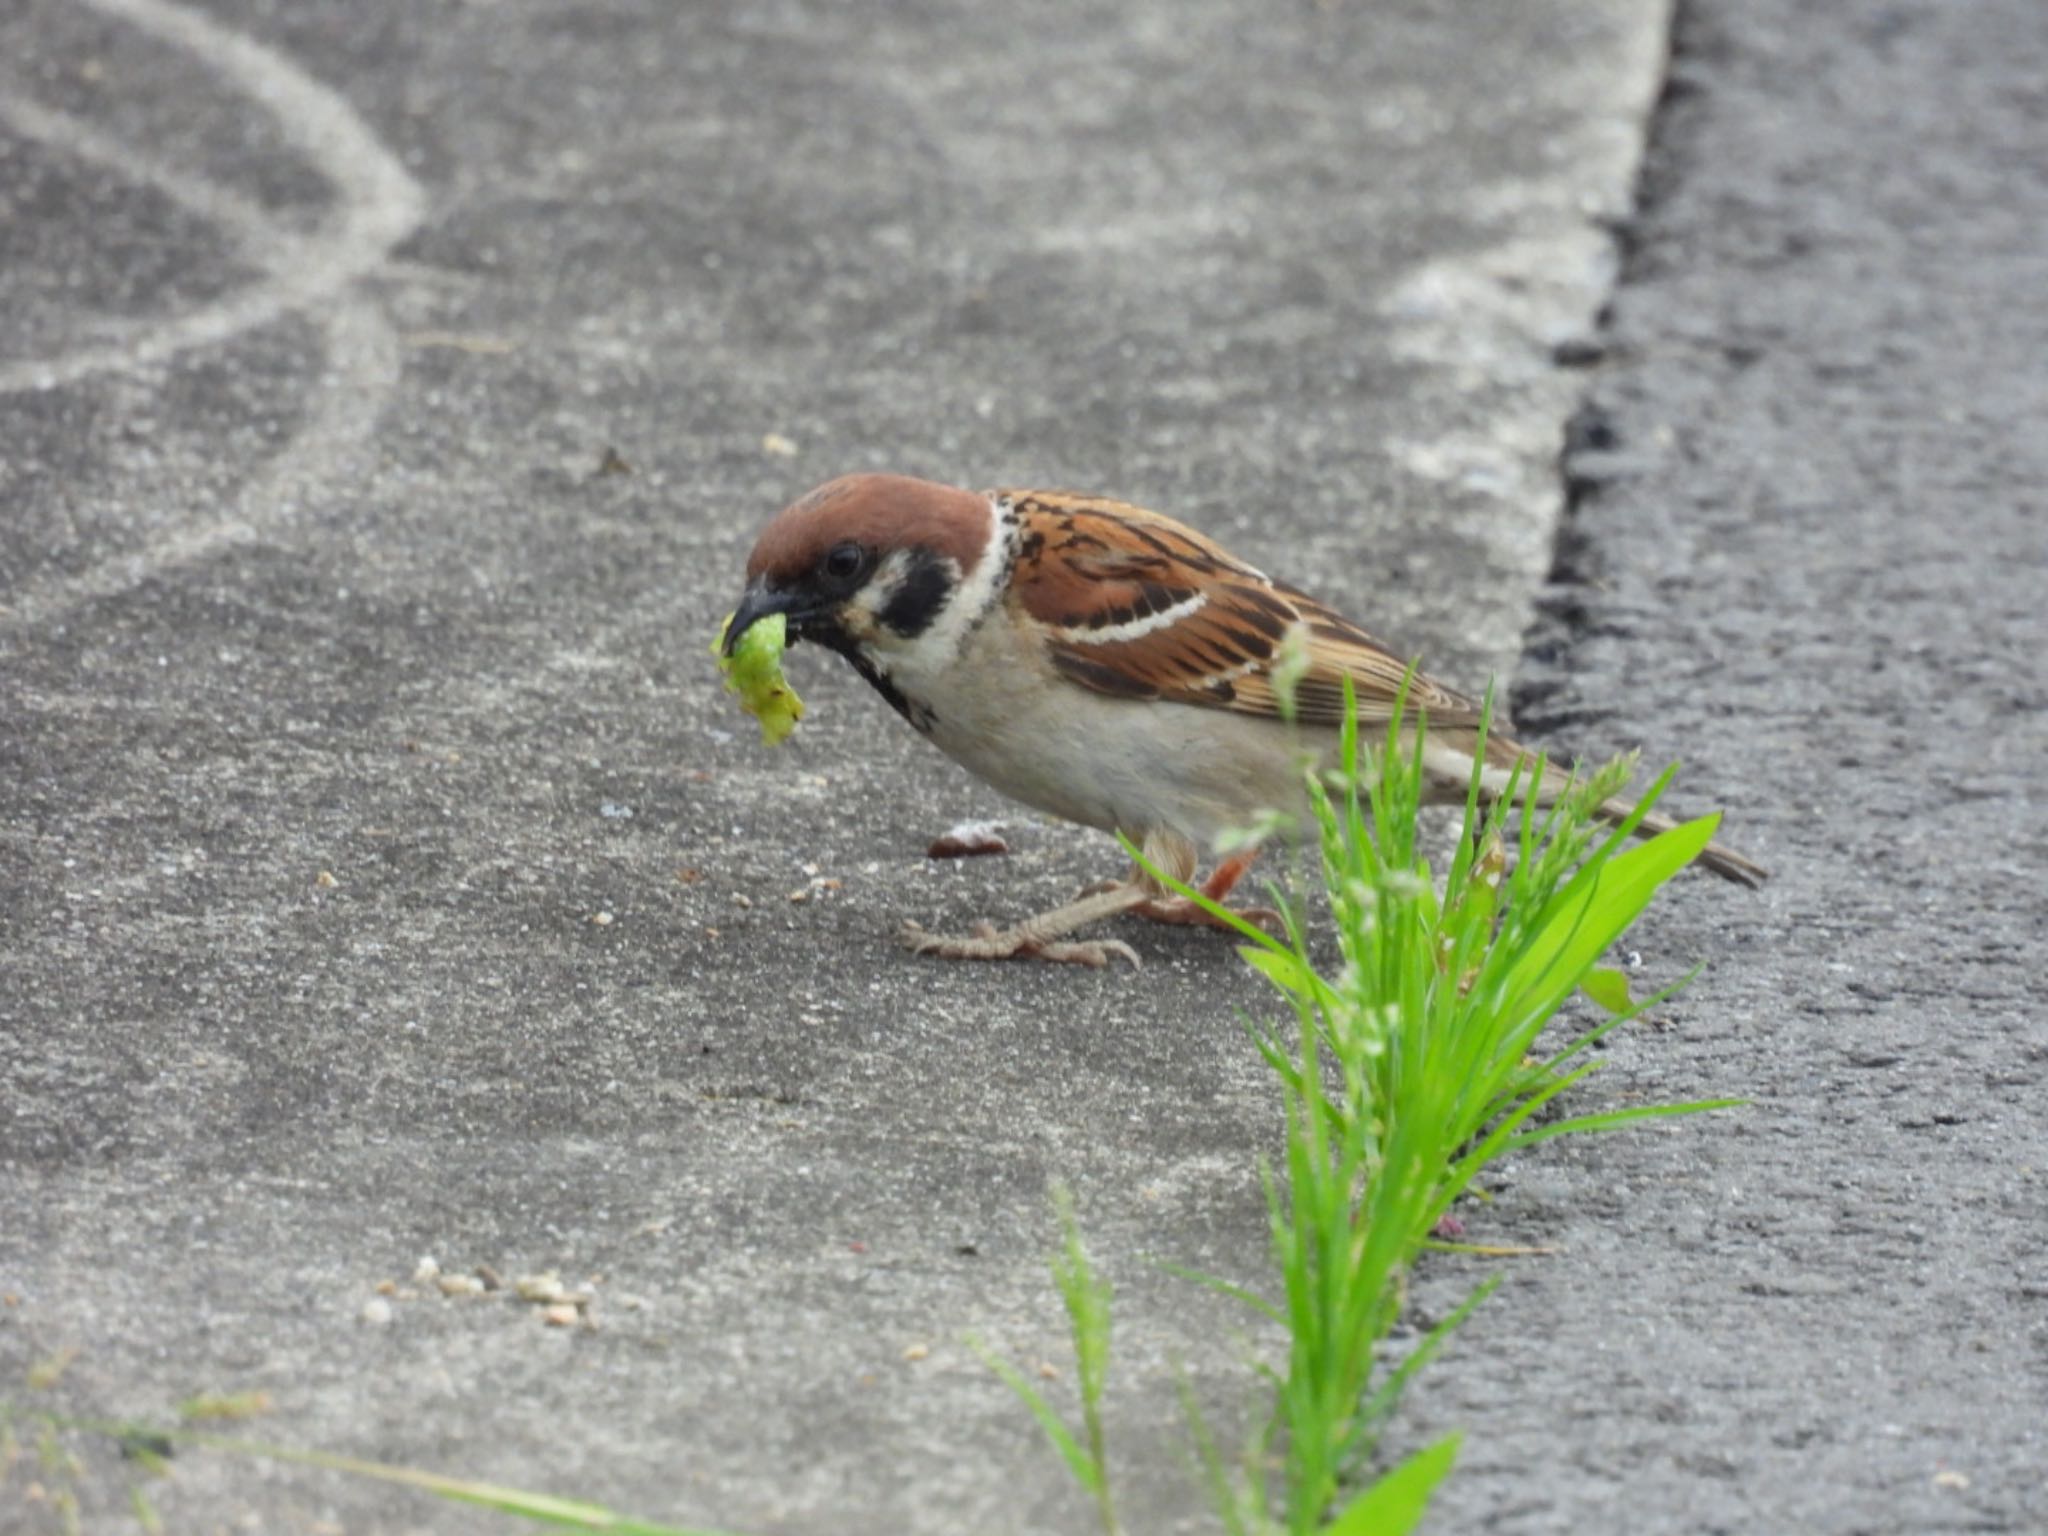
(844, 561)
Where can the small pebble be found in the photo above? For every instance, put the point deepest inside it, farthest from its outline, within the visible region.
(545, 1287)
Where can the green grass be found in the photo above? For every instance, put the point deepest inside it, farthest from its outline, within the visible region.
(1407, 1070)
(1086, 1296)
(150, 1447)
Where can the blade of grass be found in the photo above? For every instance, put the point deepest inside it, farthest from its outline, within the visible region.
(1250, 1298)
(1614, 1120)
(1382, 1401)
(1072, 1452)
(1396, 1503)
(543, 1509)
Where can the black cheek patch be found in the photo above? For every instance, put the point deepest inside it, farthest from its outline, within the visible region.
(919, 597)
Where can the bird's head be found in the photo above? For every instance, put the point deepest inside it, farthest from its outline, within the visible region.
(866, 563)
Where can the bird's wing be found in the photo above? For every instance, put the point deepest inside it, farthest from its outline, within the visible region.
(1136, 605)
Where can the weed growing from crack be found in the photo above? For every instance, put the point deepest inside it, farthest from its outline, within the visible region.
(1407, 1071)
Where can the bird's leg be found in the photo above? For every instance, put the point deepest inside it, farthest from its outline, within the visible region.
(1161, 908)
(1042, 937)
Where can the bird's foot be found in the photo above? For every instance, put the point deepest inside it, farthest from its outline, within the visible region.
(1162, 908)
(1180, 910)
(1043, 937)
(987, 942)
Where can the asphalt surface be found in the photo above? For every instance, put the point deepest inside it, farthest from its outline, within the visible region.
(387, 399)
(1807, 547)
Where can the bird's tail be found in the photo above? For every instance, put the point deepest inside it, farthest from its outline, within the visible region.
(1719, 857)
(1504, 755)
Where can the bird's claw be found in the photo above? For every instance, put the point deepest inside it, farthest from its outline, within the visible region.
(1180, 911)
(986, 942)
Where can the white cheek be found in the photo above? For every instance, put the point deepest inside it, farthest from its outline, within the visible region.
(973, 593)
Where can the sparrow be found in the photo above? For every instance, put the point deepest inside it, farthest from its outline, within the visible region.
(1110, 666)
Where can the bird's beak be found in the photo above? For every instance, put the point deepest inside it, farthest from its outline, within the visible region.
(757, 603)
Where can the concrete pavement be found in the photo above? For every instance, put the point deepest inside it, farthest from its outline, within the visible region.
(391, 395)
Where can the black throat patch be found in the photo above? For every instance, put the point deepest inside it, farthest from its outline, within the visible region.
(919, 715)
(833, 638)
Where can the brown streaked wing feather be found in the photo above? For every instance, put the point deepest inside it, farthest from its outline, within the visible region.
(1087, 564)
